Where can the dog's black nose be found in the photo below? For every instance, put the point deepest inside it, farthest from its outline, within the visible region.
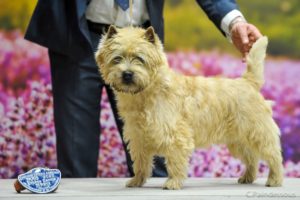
(127, 77)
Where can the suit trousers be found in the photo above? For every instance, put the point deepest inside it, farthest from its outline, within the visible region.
(77, 88)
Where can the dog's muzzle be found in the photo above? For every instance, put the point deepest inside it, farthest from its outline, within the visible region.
(127, 77)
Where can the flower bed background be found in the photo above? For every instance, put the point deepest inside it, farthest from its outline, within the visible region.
(27, 134)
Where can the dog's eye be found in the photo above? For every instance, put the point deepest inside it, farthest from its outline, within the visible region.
(117, 59)
(140, 59)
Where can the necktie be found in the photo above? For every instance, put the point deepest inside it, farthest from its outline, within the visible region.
(124, 4)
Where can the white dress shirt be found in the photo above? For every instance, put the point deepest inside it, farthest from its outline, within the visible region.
(108, 12)
(227, 20)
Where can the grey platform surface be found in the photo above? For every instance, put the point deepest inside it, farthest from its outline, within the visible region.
(194, 188)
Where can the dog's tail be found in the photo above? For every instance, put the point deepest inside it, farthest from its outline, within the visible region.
(255, 63)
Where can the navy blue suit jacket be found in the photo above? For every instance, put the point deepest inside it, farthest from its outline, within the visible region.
(61, 26)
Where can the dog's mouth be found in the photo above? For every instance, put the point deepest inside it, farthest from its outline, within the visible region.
(127, 88)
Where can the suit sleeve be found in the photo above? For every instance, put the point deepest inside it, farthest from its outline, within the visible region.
(217, 9)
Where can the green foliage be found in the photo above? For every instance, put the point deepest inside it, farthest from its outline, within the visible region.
(187, 26)
(15, 14)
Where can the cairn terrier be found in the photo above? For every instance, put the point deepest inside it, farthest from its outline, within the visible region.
(169, 114)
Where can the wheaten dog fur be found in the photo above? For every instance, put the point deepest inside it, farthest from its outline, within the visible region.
(169, 114)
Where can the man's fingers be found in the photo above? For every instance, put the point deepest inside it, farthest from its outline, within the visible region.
(244, 59)
(254, 32)
(251, 38)
(243, 34)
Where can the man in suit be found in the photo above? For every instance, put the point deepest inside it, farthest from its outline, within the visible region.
(71, 30)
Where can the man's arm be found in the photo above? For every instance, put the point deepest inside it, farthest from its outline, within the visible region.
(230, 21)
(220, 12)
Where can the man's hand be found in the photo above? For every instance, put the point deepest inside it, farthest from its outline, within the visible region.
(243, 36)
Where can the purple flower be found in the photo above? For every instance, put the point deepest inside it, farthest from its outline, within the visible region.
(27, 133)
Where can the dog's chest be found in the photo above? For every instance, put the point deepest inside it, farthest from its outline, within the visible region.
(154, 118)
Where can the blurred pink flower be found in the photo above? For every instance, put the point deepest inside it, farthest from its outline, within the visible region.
(27, 133)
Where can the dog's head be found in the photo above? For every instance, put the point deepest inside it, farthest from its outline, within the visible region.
(129, 58)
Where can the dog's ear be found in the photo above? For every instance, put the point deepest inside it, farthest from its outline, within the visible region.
(150, 34)
(112, 30)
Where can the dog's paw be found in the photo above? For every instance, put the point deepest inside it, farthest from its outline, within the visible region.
(246, 179)
(271, 182)
(172, 184)
(135, 182)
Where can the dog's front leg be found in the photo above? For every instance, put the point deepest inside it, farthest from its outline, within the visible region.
(142, 164)
(177, 154)
(177, 166)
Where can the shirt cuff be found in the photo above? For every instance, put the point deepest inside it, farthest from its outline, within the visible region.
(228, 18)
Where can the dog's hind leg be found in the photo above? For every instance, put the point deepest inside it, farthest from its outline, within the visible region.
(249, 158)
(251, 162)
(269, 149)
(272, 155)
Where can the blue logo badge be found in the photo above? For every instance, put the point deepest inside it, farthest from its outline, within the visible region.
(40, 180)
